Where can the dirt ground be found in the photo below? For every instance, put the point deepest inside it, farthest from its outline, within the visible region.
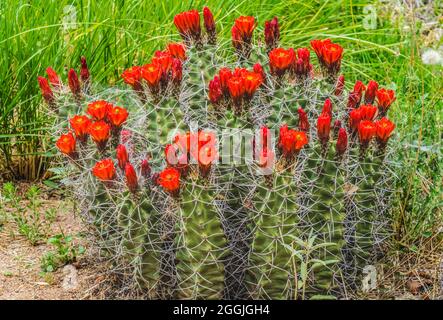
(403, 274)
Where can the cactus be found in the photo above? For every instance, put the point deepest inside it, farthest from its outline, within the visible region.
(300, 207)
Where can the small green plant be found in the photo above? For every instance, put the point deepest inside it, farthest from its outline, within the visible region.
(65, 252)
(51, 215)
(10, 196)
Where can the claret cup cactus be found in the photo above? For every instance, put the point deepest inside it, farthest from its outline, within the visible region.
(239, 169)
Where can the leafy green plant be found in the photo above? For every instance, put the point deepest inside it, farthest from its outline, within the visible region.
(65, 252)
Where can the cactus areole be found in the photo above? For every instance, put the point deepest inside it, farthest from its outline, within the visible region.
(260, 178)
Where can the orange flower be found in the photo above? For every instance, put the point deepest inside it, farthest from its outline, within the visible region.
(384, 129)
(329, 54)
(368, 112)
(324, 127)
(215, 92)
(152, 74)
(177, 50)
(46, 90)
(188, 24)
(354, 119)
(245, 27)
(366, 131)
(98, 109)
(371, 90)
(291, 141)
(327, 107)
(66, 144)
(272, 33)
(122, 156)
(385, 98)
(208, 19)
(74, 83)
(342, 141)
(99, 132)
(131, 177)
(104, 170)
(132, 76)
(280, 60)
(169, 179)
(225, 74)
(236, 89)
(53, 77)
(164, 60)
(80, 125)
(117, 116)
(251, 82)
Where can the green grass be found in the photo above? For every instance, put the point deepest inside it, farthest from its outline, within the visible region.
(116, 34)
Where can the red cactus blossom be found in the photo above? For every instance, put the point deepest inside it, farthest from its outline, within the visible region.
(324, 127)
(225, 74)
(259, 69)
(188, 24)
(84, 71)
(366, 131)
(384, 129)
(46, 90)
(53, 77)
(342, 141)
(215, 91)
(301, 66)
(329, 55)
(206, 156)
(177, 50)
(80, 124)
(368, 112)
(356, 94)
(340, 85)
(327, 107)
(236, 89)
(236, 39)
(183, 141)
(152, 74)
(145, 169)
(177, 71)
(98, 110)
(245, 26)
(169, 179)
(117, 116)
(66, 144)
(291, 141)
(122, 156)
(385, 98)
(131, 177)
(272, 33)
(354, 119)
(164, 60)
(208, 19)
(104, 170)
(251, 81)
(132, 76)
(265, 158)
(371, 90)
(280, 60)
(100, 132)
(74, 83)
(303, 122)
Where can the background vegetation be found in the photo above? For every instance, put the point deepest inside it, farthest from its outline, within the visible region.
(116, 34)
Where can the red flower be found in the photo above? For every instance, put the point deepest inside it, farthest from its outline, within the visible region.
(117, 116)
(225, 74)
(99, 132)
(215, 91)
(236, 38)
(384, 129)
(342, 141)
(371, 90)
(177, 50)
(169, 179)
(245, 26)
(183, 141)
(291, 141)
(132, 76)
(188, 24)
(359, 87)
(98, 109)
(164, 60)
(53, 77)
(122, 156)
(80, 124)
(84, 71)
(324, 127)
(152, 74)
(303, 122)
(272, 33)
(131, 177)
(104, 170)
(208, 18)
(366, 130)
(236, 89)
(367, 112)
(280, 60)
(259, 69)
(327, 107)
(177, 71)
(206, 156)
(329, 54)
(302, 66)
(66, 144)
(46, 90)
(354, 119)
(74, 83)
(385, 98)
(339, 86)
(145, 168)
(251, 82)
(265, 158)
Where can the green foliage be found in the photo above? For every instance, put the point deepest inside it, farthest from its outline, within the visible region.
(65, 252)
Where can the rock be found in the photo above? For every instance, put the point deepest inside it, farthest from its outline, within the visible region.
(70, 279)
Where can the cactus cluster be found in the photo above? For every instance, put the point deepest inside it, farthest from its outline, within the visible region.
(230, 169)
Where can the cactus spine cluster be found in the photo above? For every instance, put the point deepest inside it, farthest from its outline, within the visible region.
(185, 212)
